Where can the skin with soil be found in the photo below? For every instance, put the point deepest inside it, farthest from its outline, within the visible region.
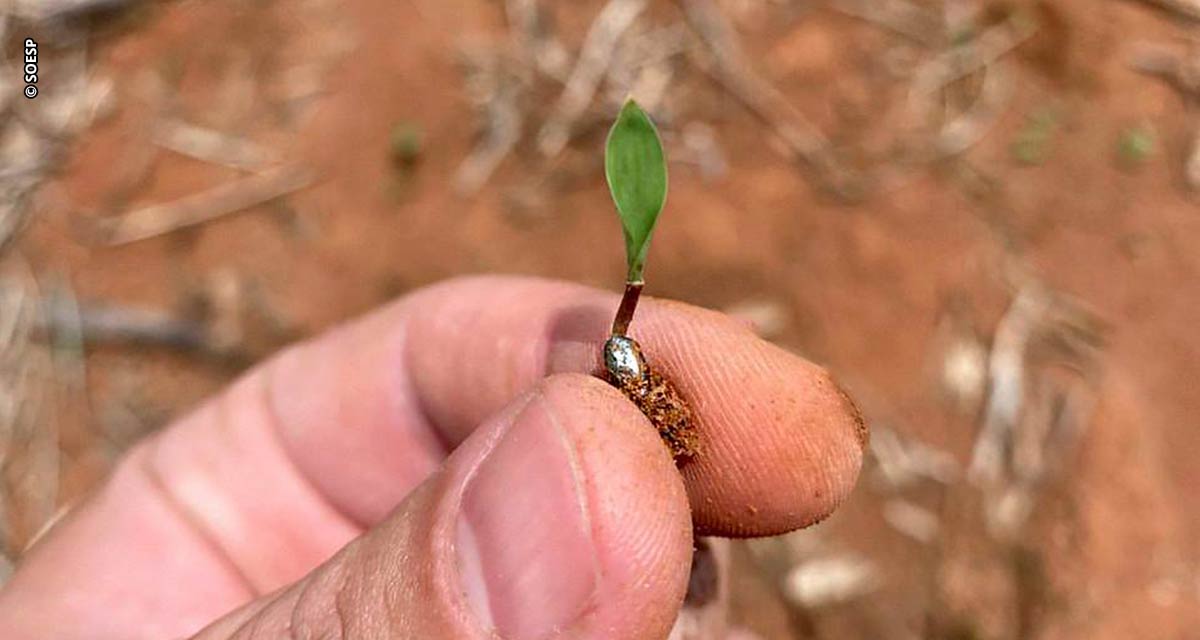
(1123, 241)
(626, 369)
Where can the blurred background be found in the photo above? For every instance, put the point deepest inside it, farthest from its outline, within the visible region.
(981, 215)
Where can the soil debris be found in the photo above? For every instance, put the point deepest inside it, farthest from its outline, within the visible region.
(626, 369)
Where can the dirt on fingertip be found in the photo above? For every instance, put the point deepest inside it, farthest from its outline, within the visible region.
(862, 432)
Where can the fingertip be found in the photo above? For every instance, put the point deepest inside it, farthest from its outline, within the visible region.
(794, 477)
(781, 443)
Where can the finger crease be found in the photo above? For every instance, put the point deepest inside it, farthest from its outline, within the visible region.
(275, 426)
(192, 521)
(439, 438)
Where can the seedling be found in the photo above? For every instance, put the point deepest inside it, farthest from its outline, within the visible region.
(636, 169)
(1135, 146)
(404, 145)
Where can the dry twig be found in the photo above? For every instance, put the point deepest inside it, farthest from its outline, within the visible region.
(50, 10)
(597, 54)
(1180, 70)
(830, 580)
(960, 62)
(533, 37)
(902, 461)
(29, 451)
(1031, 415)
(212, 146)
(914, 521)
(969, 127)
(734, 72)
(495, 94)
(206, 206)
(904, 18)
(112, 324)
(640, 66)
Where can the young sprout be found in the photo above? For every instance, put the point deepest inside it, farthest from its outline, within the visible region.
(1135, 146)
(636, 169)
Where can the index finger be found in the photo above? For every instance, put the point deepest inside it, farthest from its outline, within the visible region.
(781, 445)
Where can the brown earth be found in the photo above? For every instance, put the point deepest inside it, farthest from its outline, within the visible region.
(1114, 549)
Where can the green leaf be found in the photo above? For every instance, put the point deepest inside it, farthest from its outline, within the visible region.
(636, 169)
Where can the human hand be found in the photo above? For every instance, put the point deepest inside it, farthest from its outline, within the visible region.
(440, 469)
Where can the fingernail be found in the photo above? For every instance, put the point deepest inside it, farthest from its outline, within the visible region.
(524, 544)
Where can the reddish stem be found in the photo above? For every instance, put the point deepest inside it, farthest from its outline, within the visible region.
(633, 290)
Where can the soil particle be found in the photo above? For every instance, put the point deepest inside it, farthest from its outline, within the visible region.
(862, 432)
(667, 411)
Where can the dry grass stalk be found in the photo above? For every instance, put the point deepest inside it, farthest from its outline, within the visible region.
(26, 156)
(114, 324)
(499, 82)
(899, 16)
(212, 146)
(912, 520)
(1043, 368)
(55, 10)
(733, 70)
(537, 42)
(623, 57)
(901, 462)
(1179, 69)
(1007, 379)
(641, 66)
(962, 366)
(496, 94)
(597, 54)
(31, 139)
(959, 62)
(29, 451)
(830, 580)
(206, 206)
(969, 127)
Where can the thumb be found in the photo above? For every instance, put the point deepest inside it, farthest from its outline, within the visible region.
(563, 513)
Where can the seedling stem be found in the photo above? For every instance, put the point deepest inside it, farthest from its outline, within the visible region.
(636, 170)
(633, 291)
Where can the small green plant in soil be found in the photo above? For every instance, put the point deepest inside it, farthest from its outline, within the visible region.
(1135, 146)
(636, 169)
(405, 145)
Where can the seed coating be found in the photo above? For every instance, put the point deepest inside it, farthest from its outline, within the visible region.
(654, 395)
(623, 359)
